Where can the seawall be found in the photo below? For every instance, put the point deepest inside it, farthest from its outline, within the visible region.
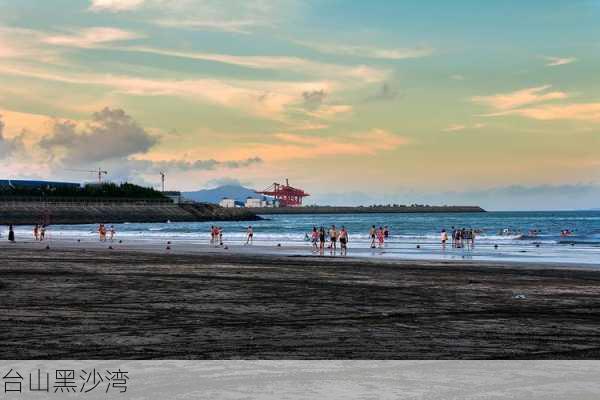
(28, 212)
(366, 210)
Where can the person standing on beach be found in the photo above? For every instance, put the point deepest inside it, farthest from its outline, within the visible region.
(380, 237)
(102, 232)
(43, 232)
(333, 237)
(444, 238)
(372, 233)
(386, 232)
(249, 235)
(216, 236)
(322, 239)
(315, 238)
(220, 230)
(36, 232)
(11, 234)
(112, 232)
(343, 241)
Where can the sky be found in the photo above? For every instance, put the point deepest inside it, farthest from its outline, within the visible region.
(464, 102)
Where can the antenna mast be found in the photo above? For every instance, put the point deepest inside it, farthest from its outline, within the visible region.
(162, 180)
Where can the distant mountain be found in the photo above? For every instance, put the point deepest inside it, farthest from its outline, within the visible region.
(236, 192)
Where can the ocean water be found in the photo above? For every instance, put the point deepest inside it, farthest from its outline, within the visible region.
(407, 231)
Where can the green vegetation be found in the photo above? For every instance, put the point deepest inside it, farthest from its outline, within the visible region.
(105, 191)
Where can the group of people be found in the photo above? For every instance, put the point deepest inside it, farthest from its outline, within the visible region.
(319, 237)
(460, 237)
(216, 235)
(39, 232)
(378, 236)
(103, 232)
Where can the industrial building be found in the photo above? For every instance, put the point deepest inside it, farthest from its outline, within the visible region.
(227, 203)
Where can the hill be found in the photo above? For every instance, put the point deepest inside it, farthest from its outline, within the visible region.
(236, 192)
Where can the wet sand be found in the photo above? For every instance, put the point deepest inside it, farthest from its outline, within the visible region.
(76, 303)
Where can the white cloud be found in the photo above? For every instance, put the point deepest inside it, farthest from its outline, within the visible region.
(556, 61)
(455, 128)
(234, 26)
(115, 5)
(295, 64)
(460, 127)
(111, 139)
(369, 52)
(91, 37)
(577, 111)
(507, 101)
(20, 43)
(237, 16)
(525, 103)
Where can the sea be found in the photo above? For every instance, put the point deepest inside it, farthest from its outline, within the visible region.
(502, 235)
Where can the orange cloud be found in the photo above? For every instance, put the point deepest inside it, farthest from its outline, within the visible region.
(91, 37)
(35, 125)
(268, 99)
(579, 112)
(290, 146)
(507, 101)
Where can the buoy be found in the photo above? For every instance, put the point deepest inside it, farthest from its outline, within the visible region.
(226, 248)
(110, 247)
(495, 246)
(168, 242)
(278, 244)
(168, 247)
(120, 241)
(537, 245)
(47, 247)
(78, 240)
(418, 246)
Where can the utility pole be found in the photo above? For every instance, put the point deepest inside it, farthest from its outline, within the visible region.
(162, 180)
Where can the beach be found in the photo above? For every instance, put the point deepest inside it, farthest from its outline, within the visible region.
(82, 300)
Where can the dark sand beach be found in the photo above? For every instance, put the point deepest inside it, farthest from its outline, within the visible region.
(112, 304)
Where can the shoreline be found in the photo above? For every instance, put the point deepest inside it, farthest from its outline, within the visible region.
(200, 246)
(98, 303)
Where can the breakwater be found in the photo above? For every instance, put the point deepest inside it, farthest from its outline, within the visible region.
(90, 212)
(367, 210)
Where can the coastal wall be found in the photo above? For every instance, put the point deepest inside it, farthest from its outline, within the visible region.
(367, 210)
(27, 212)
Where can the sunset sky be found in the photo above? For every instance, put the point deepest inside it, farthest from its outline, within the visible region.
(476, 102)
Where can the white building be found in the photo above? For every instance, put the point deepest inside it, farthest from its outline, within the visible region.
(252, 202)
(227, 203)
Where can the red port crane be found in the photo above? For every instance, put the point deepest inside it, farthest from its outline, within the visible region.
(287, 195)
